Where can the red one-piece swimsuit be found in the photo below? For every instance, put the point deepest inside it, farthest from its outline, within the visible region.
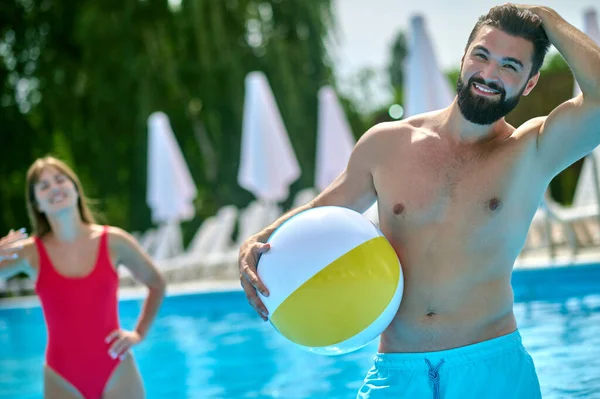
(80, 312)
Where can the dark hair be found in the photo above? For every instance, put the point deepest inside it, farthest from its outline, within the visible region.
(517, 22)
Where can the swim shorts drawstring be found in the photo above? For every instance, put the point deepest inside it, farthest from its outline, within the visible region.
(434, 376)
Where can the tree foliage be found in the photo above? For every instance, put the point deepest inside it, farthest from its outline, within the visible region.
(79, 80)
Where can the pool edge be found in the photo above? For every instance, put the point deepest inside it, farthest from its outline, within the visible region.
(139, 292)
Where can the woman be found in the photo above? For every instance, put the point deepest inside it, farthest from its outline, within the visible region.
(73, 261)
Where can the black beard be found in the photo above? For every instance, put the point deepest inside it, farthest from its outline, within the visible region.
(481, 110)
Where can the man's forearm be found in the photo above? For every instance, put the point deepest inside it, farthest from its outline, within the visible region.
(577, 48)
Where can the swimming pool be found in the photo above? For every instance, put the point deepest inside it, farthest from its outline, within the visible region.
(213, 346)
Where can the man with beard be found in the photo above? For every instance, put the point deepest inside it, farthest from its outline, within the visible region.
(457, 189)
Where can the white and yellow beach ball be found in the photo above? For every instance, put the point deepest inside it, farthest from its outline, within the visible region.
(335, 282)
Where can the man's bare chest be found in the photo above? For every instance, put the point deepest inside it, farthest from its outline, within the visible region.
(433, 189)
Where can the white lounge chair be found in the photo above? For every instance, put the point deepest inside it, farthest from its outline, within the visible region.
(212, 239)
(169, 242)
(255, 217)
(578, 225)
(540, 235)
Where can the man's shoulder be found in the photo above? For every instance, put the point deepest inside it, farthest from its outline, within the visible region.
(530, 128)
(392, 134)
(384, 131)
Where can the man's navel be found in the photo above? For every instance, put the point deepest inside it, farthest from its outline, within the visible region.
(494, 204)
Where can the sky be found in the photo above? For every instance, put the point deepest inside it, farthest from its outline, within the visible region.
(366, 30)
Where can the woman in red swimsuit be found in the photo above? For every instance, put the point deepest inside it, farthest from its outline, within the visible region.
(73, 261)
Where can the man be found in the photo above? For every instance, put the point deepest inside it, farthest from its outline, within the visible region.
(457, 189)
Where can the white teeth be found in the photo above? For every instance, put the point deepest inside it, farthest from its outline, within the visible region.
(56, 198)
(484, 89)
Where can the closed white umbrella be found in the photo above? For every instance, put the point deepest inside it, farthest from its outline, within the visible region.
(425, 86)
(335, 140)
(268, 164)
(335, 143)
(171, 190)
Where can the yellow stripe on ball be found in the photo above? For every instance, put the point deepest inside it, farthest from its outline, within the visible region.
(343, 298)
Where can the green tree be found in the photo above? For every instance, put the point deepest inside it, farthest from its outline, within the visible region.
(79, 80)
(398, 54)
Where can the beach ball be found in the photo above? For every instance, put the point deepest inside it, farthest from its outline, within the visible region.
(335, 283)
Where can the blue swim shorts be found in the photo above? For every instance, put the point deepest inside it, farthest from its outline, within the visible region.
(499, 368)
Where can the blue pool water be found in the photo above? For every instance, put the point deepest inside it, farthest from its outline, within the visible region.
(213, 346)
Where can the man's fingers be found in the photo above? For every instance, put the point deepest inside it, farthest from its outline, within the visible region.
(249, 278)
(253, 299)
(249, 272)
(261, 248)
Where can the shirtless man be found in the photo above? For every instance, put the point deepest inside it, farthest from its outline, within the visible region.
(457, 189)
